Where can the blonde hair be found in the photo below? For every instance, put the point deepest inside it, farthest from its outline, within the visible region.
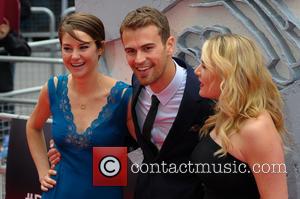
(247, 88)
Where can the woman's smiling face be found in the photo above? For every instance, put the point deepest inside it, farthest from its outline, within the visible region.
(80, 57)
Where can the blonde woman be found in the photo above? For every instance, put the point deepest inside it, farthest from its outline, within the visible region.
(240, 153)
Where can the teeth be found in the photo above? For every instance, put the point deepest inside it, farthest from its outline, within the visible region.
(76, 65)
(143, 68)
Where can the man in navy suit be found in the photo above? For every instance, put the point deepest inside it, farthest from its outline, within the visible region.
(149, 48)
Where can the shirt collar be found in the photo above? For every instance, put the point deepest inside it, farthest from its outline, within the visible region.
(165, 95)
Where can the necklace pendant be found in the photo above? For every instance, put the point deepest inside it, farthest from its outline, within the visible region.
(82, 106)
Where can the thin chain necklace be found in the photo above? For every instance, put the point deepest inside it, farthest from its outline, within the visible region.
(82, 106)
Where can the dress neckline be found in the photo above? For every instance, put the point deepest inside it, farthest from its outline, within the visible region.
(219, 147)
(69, 114)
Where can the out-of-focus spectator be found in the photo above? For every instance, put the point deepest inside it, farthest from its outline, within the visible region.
(11, 43)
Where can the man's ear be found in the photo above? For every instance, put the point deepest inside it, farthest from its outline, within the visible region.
(170, 45)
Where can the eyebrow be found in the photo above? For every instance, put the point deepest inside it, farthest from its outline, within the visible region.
(143, 46)
(148, 44)
(86, 42)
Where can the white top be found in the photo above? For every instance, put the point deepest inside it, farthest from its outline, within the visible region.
(170, 99)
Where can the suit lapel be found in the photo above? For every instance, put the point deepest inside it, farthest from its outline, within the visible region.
(136, 92)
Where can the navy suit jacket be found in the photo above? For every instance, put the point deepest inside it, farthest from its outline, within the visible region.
(177, 147)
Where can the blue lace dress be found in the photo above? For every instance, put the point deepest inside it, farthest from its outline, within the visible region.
(74, 171)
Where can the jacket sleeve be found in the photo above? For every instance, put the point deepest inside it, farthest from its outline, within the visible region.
(15, 45)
